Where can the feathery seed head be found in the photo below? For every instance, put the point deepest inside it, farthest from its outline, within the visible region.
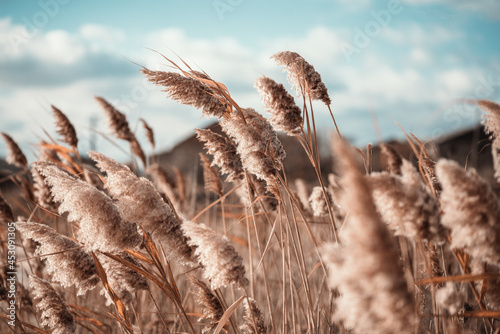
(189, 91)
(285, 114)
(258, 145)
(253, 320)
(224, 153)
(222, 265)
(405, 204)
(117, 121)
(491, 123)
(374, 296)
(15, 156)
(124, 281)
(211, 307)
(392, 158)
(318, 203)
(303, 76)
(66, 262)
(138, 201)
(65, 128)
(55, 313)
(471, 211)
(101, 227)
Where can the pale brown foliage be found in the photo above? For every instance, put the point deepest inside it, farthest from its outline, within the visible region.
(285, 114)
(101, 227)
(67, 262)
(374, 297)
(15, 156)
(222, 265)
(188, 91)
(303, 76)
(65, 128)
(471, 211)
(55, 313)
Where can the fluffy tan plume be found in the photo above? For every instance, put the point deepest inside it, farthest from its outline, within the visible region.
(285, 114)
(15, 156)
(101, 227)
(222, 265)
(65, 128)
(188, 91)
(66, 261)
(55, 313)
(258, 145)
(405, 204)
(120, 127)
(211, 307)
(224, 153)
(138, 201)
(374, 296)
(303, 76)
(471, 211)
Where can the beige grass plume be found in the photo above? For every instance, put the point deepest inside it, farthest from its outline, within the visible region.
(285, 114)
(491, 287)
(222, 265)
(224, 153)
(303, 76)
(124, 281)
(491, 123)
(188, 91)
(66, 261)
(253, 320)
(405, 204)
(211, 178)
(101, 227)
(450, 298)
(41, 191)
(65, 128)
(55, 313)
(374, 296)
(165, 183)
(318, 203)
(471, 211)
(15, 156)
(210, 304)
(150, 134)
(120, 127)
(302, 193)
(392, 158)
(6, 215)
(251, 189)
(138, 201)
(429, 168)
(258, 145)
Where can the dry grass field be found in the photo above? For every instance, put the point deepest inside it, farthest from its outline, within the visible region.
(96, 246)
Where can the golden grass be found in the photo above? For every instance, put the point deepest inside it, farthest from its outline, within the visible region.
(247, 253)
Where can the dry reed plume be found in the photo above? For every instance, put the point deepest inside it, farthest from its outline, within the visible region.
(60, 251)
(374, 296)
(101, 227)
(55, 313)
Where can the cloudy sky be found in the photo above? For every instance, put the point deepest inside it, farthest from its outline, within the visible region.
(383, 61)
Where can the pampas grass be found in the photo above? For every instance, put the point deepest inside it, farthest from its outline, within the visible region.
(55, 313)
(60, 251)
(414, 249)
(15, 156)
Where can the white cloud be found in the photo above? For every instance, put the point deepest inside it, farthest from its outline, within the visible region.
(419, 56)
(417, 35)
(489, 7)
(90, 54)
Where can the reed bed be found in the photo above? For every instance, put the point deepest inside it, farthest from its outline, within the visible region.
(105, 247)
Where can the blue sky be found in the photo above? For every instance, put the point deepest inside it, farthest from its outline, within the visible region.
(409, 61)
